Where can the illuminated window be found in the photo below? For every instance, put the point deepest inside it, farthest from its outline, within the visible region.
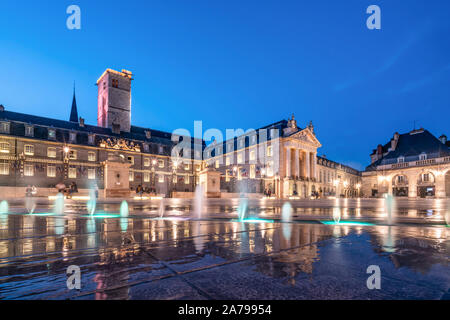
(270, 168)
(240, 158)
(51, 171)
(146, 162)
(160, 178)
(252, 171)
(146, 176)
(4, 168)
(130, 159)
(51, 152)
(28, 170)
(91, 174)
(227, 176)
(197, 167)
(28, 149)
(131, 176)
(228, 161)
(187, 166)
(174, 179)
(252, 155)
(161, 163)
(217, 163)
(91, 156)
(269, 151)
(4, 147)
(186, 180)
(72, 154)
(72, 173)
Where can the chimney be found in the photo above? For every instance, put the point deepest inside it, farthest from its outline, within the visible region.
(443, 139)
(394, 141)
(379, 150)
(2, 108)
(116, 128)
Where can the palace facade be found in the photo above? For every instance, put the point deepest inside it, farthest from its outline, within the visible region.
(280, 157)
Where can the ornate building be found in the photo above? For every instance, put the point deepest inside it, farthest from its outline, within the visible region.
(414, 164)
(115, 154)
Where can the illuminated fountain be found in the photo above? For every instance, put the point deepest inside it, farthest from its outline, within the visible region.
(124, 211)
(286, 217)
(337, 212)
(92, 202)
(59, 204)
(199, 200)
(242, 208)
(4, 207)
(30, 204)
(389, 204)
(161, 208)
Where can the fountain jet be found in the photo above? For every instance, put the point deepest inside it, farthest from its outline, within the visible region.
(59, 204)
(92, 202)
(199, 200)
(4, 207)
(286, 216)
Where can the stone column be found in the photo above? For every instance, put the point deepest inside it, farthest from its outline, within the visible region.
(288, 162)
(314, 164)
(297, 163)
(307, 165)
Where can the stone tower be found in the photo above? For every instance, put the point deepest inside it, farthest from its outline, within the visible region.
(114, 100)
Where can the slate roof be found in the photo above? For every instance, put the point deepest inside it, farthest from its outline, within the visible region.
(411, 145)
(42, 125)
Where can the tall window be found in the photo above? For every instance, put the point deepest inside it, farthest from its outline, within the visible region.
(28, 150)
(423, 156)
(217, 163)
(115, 83)
(252, 171)
(72, 173)
(146, 162)
(269, 151)
(51, 152)
(72, 136)
(130, 159)
(186, 180)
(91, 173)
(4, 168)
(161, 163)
(252, 155)
(28, 170)
(240, 158)
(91, 156)
(161, 178)
(400, 159)
(131, 176)
(4, 147)
(228, 160)
(146, 176)
(51, 171)
(270, 168)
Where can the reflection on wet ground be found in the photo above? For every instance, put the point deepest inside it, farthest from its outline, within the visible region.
(144, 258)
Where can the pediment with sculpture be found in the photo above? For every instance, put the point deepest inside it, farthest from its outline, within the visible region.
(119, 144)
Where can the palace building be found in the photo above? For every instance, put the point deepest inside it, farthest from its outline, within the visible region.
(118, 156)
(413, 164)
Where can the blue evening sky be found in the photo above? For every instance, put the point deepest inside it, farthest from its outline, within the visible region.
(238, 64)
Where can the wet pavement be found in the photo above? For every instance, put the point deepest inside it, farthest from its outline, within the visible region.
(142, 257)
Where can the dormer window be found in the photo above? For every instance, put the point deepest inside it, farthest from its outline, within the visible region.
(148, 134)
(4, 127)
(401, 159)
(423, 156)
(29, 131)
(161, 149)
(72, 136)
(145, 146)
(91, 139)
(52, 134)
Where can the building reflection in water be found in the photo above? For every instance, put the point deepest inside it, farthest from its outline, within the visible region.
(114, 251)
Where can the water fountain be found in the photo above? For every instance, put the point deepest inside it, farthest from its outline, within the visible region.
(30, 204)
(124, 211)
(4, 207)
(337, 212)
(199, 199)
(242, 208)
(161, 208)
(286, 217)
(59, 204)
(92, 202)
(389, 204)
